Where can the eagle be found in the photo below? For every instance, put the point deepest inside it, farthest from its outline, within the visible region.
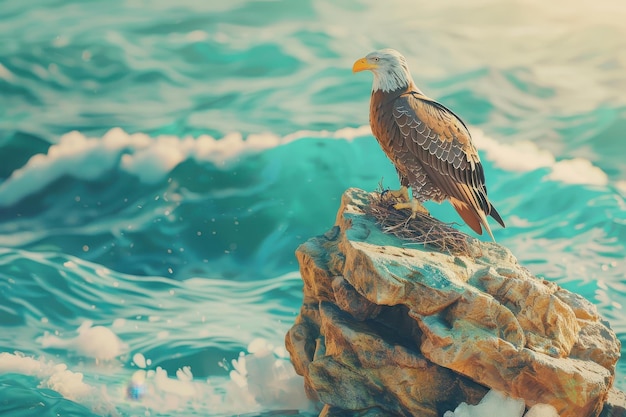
(429, 145)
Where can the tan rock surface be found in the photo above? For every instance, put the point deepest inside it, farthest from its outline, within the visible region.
(386, 326)
(615, 405)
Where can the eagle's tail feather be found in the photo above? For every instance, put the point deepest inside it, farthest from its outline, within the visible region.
(474, 218)
(467, 214)
(483, 221)
(494, 213)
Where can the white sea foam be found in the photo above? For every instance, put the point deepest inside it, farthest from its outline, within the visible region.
(97, 342)
(261, 379)
(5, 74)
(59, 378)
(197, 36)
(496, 404)
(542, 410)
(270, 378)
(139, 360)
(526, 156)
(152, 158)
(621, 187)
(578, 171)
(519, 156)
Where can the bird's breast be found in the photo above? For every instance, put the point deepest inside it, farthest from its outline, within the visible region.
(381, 120)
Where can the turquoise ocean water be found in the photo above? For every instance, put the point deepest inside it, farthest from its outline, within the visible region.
(162, 160)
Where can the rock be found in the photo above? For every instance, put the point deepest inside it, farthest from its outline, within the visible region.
(388, 328)
(615, 405)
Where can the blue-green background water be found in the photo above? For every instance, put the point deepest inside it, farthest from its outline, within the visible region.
(211, 138)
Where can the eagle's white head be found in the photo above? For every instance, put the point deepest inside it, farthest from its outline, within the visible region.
(391, 71)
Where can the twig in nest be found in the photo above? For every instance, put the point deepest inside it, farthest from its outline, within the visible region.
(422, 229)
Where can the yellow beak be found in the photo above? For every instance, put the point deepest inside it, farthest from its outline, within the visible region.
(362, 65)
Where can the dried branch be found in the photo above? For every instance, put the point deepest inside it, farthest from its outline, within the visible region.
(422, 230)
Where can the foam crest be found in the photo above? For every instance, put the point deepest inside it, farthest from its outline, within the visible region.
(148, 158)
(578, 171)
(151, 159)
(621, 187)
(526, 156)
(75, 155)
(97, 342)
(520, 156)
(262, 379)
(269, 378)
(57, 377)
(5, 74)
(494, 403)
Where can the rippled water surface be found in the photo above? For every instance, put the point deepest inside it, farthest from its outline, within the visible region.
(161, 161)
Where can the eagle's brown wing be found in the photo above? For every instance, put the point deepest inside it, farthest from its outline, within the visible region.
(442, 143)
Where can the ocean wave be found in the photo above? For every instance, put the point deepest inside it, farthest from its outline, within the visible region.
(78, 292)
(526, 156)
(171, 324)
(238, 207)
(151, 159)
(148, 158)
(260, 379)
(55, 376)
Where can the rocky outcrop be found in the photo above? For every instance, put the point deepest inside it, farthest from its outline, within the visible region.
(392, 329)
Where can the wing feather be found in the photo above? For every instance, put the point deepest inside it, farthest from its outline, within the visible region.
(439, 139)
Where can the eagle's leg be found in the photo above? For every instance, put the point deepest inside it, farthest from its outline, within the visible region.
(402, 193)
(414, 205)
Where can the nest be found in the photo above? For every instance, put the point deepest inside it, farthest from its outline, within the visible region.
(423, 229)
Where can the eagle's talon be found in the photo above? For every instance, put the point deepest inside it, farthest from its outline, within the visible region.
(401, 194)
(414, 205)
(400, 206)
